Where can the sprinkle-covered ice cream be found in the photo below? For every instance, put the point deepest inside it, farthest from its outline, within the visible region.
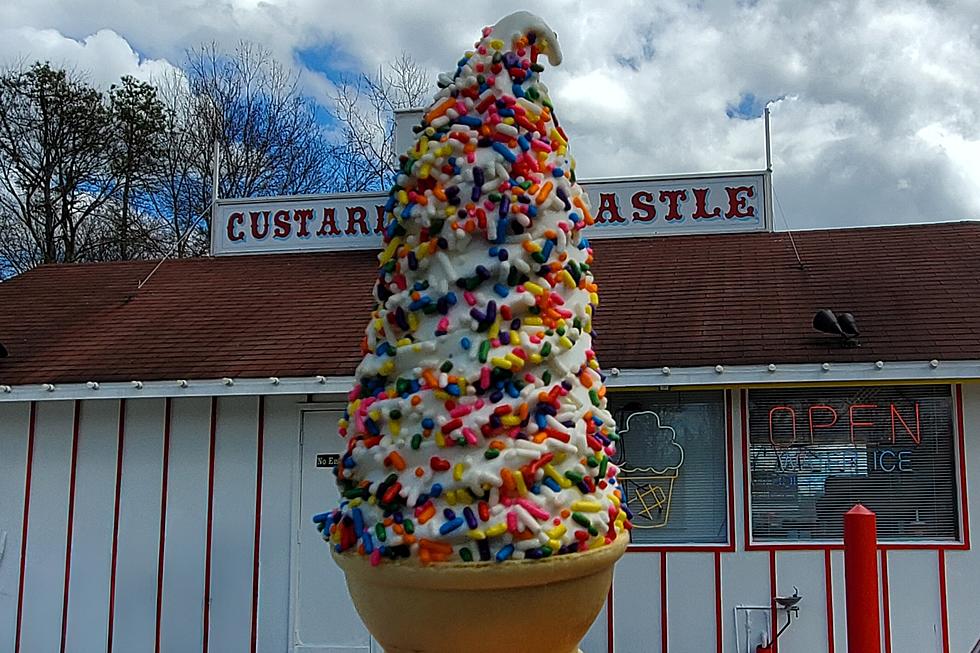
(478, 429)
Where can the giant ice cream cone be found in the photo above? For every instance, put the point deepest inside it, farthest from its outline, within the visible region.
(479, 495)
(533, 606)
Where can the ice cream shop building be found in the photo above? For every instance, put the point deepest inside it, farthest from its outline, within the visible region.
(167, 432)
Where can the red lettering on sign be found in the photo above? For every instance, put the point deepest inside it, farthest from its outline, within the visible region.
(738, 204)
(379, 228)
(256, 232)
(235, 219)
(674, 198)
(792, 420)
(850, 414)
(827, 425)
(302, 216)
(356, 215)
(917, 434)
(607, 204)
(328, 226)
(643, 201)
(282, 224)
(700, 200)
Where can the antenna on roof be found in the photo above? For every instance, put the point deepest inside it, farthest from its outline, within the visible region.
(789, 232)
(212, 207)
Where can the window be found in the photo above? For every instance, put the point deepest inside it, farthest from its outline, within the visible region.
(673, 465)
(815, 452)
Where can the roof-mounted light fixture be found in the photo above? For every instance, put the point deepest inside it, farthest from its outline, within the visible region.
(838, 324)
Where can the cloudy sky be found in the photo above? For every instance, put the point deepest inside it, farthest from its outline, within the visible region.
(875, 105)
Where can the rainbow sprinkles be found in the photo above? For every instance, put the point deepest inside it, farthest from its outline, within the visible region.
(478, 430)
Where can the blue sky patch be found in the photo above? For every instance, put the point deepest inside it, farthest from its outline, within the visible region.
(329, 60)
(747, 107)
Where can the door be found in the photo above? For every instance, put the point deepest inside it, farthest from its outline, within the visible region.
(324, 620)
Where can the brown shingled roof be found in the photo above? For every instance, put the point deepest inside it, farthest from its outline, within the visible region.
(678, 301)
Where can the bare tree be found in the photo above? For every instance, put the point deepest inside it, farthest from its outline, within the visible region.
(365, 158)
(137, 120)
(266, 128)
(55, 146)
(178, 190)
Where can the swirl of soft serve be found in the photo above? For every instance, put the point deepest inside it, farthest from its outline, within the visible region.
(478, 428)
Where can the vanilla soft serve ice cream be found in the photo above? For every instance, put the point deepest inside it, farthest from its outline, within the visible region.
(478, 429)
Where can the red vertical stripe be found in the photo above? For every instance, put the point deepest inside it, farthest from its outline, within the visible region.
(23, 531)
(163, 516)
(663, 602)
(886, 603)
(718, 617)
(772, 600)
(207, 545)
(71, 521)
(610, 636)
(943, 602)
(963, 497)
(115, 523)
(260, 437)
(828, 588)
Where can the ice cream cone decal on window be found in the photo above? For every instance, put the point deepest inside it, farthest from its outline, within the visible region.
(652, 462)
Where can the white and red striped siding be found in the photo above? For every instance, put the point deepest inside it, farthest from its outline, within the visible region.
(166, 524)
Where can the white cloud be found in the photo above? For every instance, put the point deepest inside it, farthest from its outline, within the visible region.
(102, 57)
(878, 121)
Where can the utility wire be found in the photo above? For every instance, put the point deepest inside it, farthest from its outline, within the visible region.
(789, 232)
(173, 249)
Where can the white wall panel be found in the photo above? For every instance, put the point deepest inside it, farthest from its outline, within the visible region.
(45, 571)
(88, 596)
(913, 580)
(233, 525)
(636, 602)
(804, 570)
(134, 621)
(279, 460)
(745, 581)
(840, 600)
(182, 607)
(963, 567)
(691, 602)
(14, 430)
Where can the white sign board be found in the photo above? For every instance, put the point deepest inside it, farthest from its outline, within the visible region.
(633, 207)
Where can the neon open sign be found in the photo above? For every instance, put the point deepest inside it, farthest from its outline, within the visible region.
(867, 422)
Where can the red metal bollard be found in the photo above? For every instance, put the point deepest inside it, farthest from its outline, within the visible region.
(861, 579)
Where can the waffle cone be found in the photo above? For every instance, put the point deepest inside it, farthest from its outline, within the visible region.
(534, 606)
